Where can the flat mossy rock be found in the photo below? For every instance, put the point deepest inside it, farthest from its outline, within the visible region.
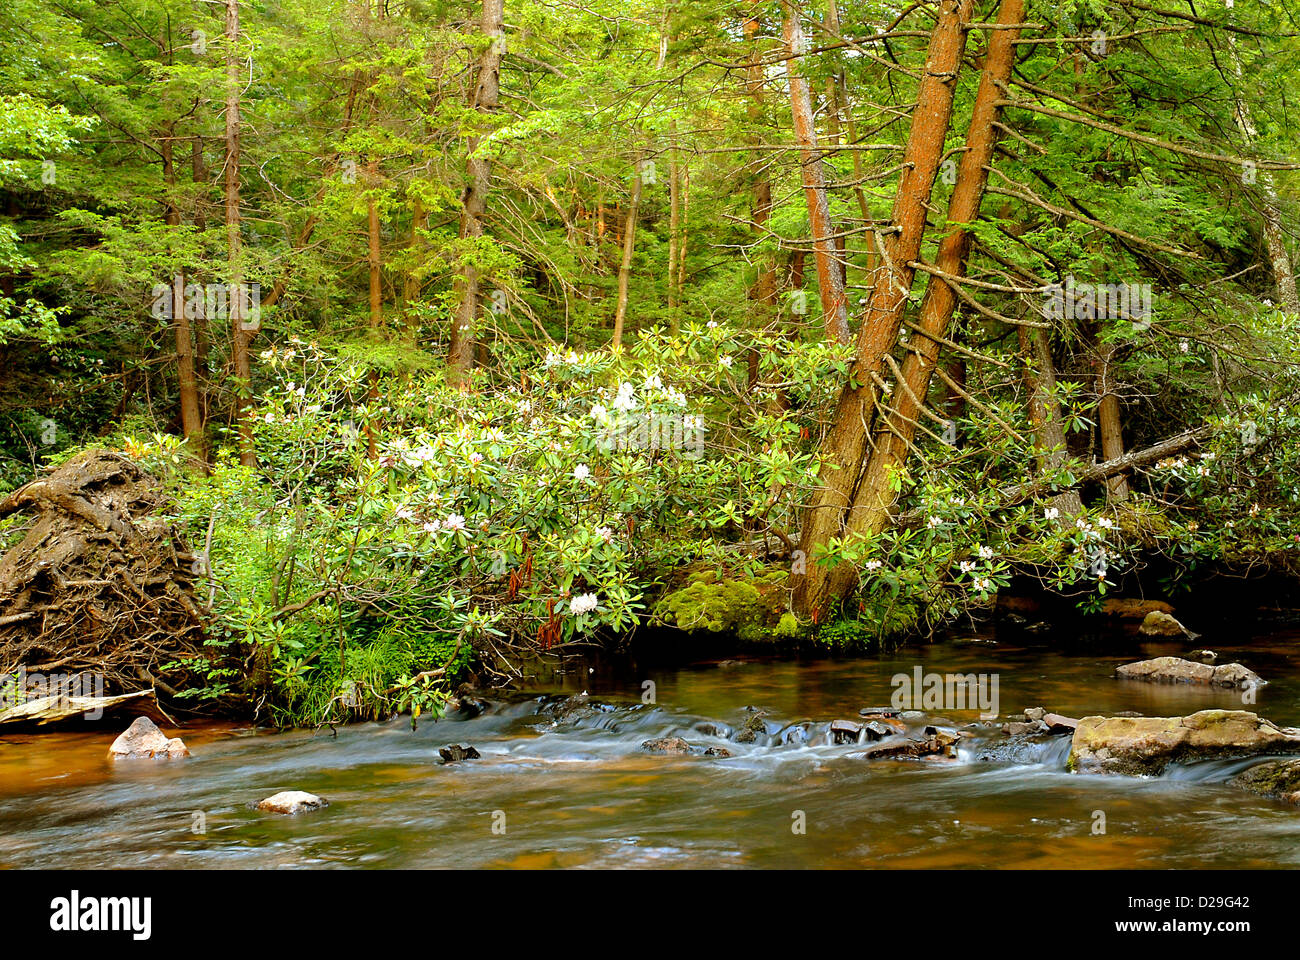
(753, 608)
(1275, 778)
(1147, 745)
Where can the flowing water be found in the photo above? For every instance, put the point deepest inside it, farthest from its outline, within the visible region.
(564, 783)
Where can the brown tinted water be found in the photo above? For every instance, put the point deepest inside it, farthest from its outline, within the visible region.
(578, 791)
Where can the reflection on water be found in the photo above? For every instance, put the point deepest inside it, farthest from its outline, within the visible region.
(573, 789)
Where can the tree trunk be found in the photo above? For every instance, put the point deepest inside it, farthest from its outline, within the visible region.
(874, 498)
(1045, 411)
(372, 250)
(199, 322)
(1108, 418)
(411, 283)
(830, 278)
(240, 330)
(1274, 237)
(625, 269)
(487, 95)
(845, 444)
(765, 290)
(376, 293)
(191, 424)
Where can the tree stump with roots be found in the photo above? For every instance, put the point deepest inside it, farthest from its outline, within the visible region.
(99, 586)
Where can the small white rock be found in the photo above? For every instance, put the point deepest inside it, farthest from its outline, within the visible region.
(292, 801)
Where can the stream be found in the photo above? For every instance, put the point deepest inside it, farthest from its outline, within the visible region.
(564, 783)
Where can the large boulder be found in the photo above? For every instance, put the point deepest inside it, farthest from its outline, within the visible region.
(1275, 778)
(1178, 670)
(1146, 745)
(143, 740)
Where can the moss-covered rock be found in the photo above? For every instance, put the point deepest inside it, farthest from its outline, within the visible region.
(1275, 778)
(753, 608)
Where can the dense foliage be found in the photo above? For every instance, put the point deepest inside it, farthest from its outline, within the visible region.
(393, 520)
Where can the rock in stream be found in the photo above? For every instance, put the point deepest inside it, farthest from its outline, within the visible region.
(143, 740)
(1178, 670)
(1147, 745)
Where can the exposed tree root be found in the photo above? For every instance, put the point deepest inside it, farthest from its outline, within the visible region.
(99, 586)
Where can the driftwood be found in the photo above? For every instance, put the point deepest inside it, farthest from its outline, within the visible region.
(43, 710)
(100, 586)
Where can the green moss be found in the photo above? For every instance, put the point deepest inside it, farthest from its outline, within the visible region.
(753, 609)
(789, 627)
(875, 625)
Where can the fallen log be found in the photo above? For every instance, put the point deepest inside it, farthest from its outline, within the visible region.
(51, 709)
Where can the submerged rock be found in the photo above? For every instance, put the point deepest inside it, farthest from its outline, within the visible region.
(876, 713)
(1203, 656)
(753, 727)
(455, 752)
(709, 729)
(1157, 623)
(292, 801)
(880, 729)
(1146, 745)
(143, 740)
(575, 709)
(936, 743)
(797, 734)
(468, 707)
(675, 745)
(1279, 779)
(1178, 670)
(1017, 729)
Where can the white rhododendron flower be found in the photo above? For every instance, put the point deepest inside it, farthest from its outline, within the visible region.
(624, 400)
(583, 603)
(581, 472)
